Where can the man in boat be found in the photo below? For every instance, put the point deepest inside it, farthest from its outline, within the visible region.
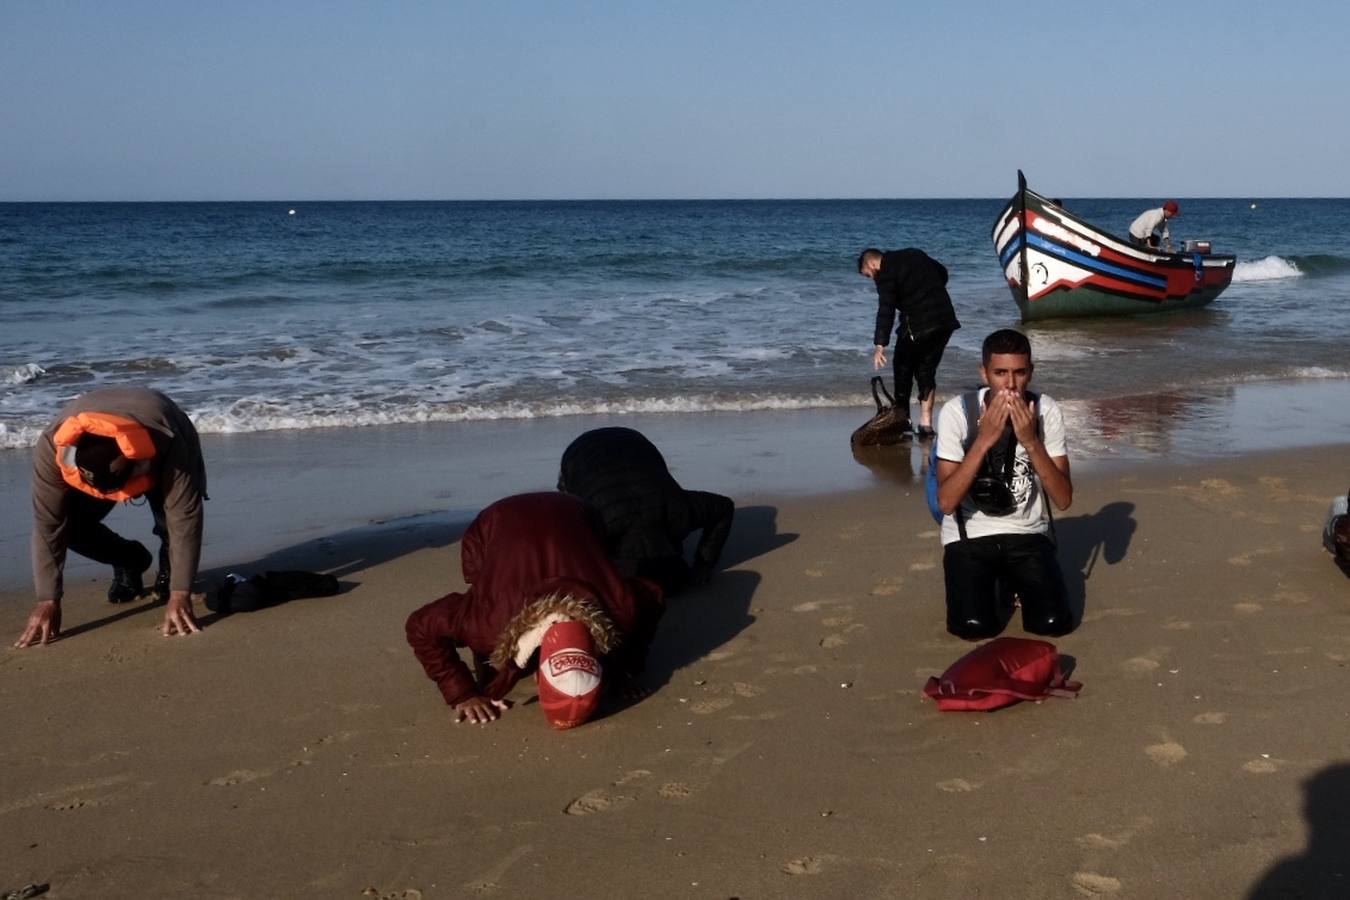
(1152, 220)
(539, 579)
(913, 284)
(106, 446)
(1001, 457)
(645, 512)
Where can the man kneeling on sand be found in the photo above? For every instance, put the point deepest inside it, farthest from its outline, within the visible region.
(644, 512)
(542, 595)
(993, 483)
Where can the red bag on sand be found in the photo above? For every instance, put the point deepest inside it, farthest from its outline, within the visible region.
(1000, 673)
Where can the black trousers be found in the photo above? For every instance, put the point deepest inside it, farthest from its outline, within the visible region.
(1023, 564)
(917, 361)
(90, 538)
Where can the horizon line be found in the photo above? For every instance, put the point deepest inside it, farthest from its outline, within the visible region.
(1147, 198)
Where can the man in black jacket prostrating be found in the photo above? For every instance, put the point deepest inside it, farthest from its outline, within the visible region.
(914, 284)
(645, 513)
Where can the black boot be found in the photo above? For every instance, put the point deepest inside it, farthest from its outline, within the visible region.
(161, 588)
(126, 584)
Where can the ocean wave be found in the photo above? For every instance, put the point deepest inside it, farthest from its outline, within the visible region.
(24, 374)
(1268, 268)
(1316, 264)
(258, 415)
(255, 415)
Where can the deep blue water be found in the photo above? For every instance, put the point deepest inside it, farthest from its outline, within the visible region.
(367, 313)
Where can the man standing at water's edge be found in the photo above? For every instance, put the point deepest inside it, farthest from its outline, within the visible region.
(914, 284)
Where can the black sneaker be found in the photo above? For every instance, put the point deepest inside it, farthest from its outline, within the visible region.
(161, 588)
(126, 584)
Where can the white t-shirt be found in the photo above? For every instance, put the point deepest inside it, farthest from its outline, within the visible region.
(1149, 220)
(1030, 515)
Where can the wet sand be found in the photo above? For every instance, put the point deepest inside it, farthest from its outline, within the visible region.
(268, 494)
(786, 750)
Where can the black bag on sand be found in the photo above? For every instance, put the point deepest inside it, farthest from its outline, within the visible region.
(888, 426)
(240, 594)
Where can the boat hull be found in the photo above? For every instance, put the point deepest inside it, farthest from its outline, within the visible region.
(1059, 266)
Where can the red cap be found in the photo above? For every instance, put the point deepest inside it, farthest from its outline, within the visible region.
(1171, 206)
(569, 675)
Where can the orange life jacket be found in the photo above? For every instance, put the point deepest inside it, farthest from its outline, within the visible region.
(133, 439)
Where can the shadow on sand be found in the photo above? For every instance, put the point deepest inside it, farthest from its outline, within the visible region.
(339, 554)
(1323, 870)
(1083, 540)
(700, 620)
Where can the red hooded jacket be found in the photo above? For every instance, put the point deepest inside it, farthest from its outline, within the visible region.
(519, 556)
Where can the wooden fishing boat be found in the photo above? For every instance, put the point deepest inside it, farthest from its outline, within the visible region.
(1059, 266)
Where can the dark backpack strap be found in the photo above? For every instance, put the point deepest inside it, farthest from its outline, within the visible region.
(970, 404)
(879, 391)
(1045, 498)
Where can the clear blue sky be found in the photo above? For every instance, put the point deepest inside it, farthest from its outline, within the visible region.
(125, 100)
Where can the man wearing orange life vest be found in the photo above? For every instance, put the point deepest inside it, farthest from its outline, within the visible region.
(108, 445)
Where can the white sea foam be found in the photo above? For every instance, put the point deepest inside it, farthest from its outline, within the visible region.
(1268, 268)
(24, 374)
(259, 415)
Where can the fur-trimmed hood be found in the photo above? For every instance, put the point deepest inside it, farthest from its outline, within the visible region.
(522, 635)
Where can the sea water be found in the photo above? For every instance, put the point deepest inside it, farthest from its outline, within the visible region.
(265, 316)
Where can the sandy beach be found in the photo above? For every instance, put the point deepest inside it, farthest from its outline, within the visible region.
(786, 749)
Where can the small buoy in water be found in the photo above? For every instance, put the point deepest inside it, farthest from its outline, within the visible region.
(1253, 206)
(291, 212)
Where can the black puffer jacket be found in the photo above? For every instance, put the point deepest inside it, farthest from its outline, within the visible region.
(916, 284)
(646, 514)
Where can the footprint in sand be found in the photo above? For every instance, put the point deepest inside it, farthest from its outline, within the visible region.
(1211, 718)
(956, 786)
(239, 776)
(836, 621)
(814, 573)
(923, 566)
(1261, 766)
(67, 805)
(1243, 560)
(710, 705)
(1140, 665)
(596, 801)
(808, 606)
(1177, 625)
(1090, 884)
(1166, 754)
(675, 791)
(888, 587)
(1112, 613)
(1098, 841)
(634, 775)
(806, 865)
(925, 535)
(1247, 608)
(1292, 597)
(745, 689)
(405, 894)
(830, 642)
(791, 670)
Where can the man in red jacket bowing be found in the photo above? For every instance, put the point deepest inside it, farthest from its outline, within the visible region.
(542, 593)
